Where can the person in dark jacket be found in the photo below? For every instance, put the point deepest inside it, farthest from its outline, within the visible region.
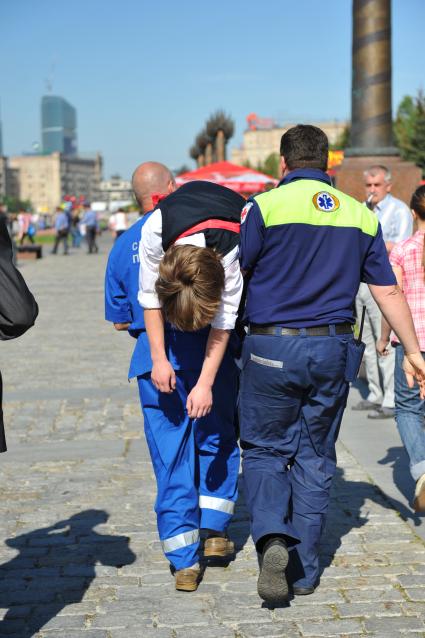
(18, 308)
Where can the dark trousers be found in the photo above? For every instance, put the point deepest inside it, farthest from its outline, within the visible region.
(292, 397)
(91, 239)
(61, 236)
(30, 237)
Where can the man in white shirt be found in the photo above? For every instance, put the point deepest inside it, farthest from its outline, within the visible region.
(396, 222)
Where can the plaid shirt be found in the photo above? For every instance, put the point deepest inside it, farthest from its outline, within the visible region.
(408, 256)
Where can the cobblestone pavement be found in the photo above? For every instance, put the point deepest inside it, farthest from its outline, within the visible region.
(79, 555)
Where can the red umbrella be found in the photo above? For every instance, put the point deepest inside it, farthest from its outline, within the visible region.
(238, 178)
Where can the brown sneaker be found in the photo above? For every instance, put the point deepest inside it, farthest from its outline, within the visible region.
(218, 547)
(187, 579)
(419, 502)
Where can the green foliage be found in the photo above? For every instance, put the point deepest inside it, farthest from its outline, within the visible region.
(342, 141)
(409, 129)
(14, 205)
(404, 124)
(271, 165)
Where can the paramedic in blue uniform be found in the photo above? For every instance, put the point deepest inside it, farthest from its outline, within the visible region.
(163, 412)
(306, 247)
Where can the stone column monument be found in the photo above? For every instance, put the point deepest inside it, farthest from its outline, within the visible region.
(371, 125)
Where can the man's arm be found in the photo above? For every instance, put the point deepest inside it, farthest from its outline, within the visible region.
(383, 341)
(396, 311)
(200, 399)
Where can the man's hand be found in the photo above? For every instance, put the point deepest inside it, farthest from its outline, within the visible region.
(163, 376)
(414, 368)
(382, 347)
(199, 402)
(121, 326)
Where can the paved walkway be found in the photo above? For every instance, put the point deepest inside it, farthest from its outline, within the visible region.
(79, 555)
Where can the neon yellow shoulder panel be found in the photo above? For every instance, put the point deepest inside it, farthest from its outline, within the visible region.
(315, 203)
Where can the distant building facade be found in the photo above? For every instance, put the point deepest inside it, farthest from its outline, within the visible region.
(58, 126)
(115, 189)
(46, 179)
(262, 138)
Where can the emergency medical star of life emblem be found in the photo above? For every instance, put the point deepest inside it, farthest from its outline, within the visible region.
(245, 211)
(326, 202)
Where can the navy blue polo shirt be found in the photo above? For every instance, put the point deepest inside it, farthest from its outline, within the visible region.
(307, 247)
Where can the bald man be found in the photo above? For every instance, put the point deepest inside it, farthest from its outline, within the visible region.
(196, 461)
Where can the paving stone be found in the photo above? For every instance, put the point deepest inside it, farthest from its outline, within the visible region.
(394, 624)
(76, 447)
(330, 628)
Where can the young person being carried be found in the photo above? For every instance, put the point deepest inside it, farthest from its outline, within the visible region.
(190, 278)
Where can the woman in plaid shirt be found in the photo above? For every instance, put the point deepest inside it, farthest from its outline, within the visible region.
(408, 261)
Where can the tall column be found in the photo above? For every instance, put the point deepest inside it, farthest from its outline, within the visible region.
(371, 128)
(371, 119)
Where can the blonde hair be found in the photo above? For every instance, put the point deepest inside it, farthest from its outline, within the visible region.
(189, 286)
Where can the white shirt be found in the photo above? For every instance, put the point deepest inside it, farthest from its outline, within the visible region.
(118, 221)
(151, 253)
(395, 219)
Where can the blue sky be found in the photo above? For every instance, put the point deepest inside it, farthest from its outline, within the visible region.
(144, 76)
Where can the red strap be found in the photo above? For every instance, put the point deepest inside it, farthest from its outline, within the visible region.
(234, 227)
(158, 197)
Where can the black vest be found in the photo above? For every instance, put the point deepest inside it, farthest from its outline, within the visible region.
(197, 202)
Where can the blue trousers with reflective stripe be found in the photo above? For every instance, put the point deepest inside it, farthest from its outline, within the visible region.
(292, 397)
(196, 462)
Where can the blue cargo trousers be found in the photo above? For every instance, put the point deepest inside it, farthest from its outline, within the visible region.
(196, 461)
(292, 397)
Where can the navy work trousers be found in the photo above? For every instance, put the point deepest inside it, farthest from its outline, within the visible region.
(292, 397)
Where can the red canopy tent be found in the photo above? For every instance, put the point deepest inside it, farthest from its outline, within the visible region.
(238, 178)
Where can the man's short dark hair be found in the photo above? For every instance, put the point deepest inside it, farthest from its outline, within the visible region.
(305, 146)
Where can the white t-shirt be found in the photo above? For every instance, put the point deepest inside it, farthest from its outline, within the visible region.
(151, 253)
(118, 221)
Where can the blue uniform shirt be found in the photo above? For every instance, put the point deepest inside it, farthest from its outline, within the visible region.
(184, 350)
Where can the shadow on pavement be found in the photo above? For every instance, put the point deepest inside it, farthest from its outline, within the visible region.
(54, 568)
(348, 498)
(398, 460)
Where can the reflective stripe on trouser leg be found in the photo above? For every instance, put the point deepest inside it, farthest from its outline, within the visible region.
(170, 438)
(180, 541)
(218, 452)
(215, 512)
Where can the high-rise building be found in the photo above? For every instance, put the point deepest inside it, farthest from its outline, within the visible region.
(58, 125)
(46, 179)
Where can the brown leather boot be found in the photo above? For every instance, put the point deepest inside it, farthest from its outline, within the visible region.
(218, 547)
(187, 579)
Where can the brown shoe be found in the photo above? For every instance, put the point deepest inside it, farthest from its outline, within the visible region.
(419, 502)
(218, 547)
(187, 579)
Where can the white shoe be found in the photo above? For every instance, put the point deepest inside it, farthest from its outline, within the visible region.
(419, 502)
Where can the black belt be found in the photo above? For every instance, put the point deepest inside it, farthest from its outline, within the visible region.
(314, 331)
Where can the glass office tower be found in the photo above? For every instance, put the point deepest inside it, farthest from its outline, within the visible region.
(58, 125)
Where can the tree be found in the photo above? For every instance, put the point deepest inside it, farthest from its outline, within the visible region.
(342, 141)
(417, 140)
(14, 204)
(404, 125)
(220, 128)
(271, 165)
(409, 129)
